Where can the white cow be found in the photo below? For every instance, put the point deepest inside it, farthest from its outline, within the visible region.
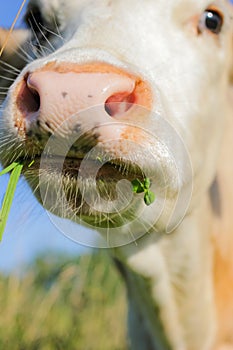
(138, 91)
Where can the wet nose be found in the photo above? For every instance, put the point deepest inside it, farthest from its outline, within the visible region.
(52, 96)
(55, 94)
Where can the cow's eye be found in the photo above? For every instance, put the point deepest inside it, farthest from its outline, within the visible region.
(211, 20)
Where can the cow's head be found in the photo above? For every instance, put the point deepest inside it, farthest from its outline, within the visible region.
(120, 90)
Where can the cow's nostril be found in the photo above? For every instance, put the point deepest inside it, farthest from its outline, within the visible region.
(118, 104)
(28, 99)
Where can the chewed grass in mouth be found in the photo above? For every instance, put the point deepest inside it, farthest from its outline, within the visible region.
(115, 171)
(144, 187)
(107, 176)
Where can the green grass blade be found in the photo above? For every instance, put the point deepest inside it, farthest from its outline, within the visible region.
(9, 195)
(32, 162)
(8, 169)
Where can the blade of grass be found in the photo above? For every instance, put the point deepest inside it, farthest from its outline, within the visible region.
(8, 169)
(32, 162)
(8, 198)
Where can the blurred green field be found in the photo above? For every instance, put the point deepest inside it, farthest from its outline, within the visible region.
(61, 304)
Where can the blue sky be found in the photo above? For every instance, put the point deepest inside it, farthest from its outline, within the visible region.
(8, 11)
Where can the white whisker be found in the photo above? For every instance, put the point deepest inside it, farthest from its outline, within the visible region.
(10, 66)
(52, 32)
(21, 53)
(36, 38)
(6, 78)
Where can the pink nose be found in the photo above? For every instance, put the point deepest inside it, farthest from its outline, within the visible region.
(48, 94)
(51, 96)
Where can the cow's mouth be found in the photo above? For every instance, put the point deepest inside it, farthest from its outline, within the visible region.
(113, 170)
(81, 168)
(72, 180)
